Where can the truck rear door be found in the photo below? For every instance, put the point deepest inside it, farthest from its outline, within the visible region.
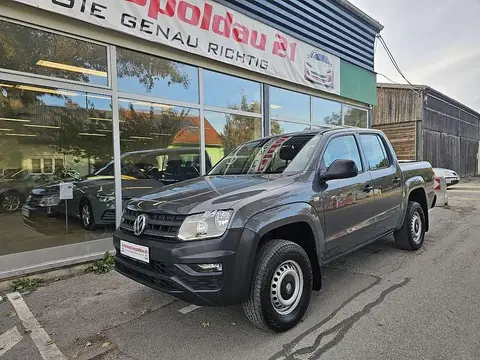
(386, 181)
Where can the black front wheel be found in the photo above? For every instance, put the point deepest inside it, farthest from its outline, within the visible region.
(281, 286)
(86, 215)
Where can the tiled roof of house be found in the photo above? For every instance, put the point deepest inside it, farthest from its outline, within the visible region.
(190, 133)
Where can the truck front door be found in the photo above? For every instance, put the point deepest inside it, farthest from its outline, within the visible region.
(386, 182)
(347, 204)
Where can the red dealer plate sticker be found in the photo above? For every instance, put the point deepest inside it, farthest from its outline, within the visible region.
(134, 251)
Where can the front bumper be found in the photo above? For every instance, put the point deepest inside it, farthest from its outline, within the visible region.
(452, 180)
(169, 270)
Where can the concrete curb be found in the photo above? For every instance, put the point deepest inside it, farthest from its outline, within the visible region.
(49, 275)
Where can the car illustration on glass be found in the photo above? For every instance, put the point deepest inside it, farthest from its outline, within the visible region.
(319, 69)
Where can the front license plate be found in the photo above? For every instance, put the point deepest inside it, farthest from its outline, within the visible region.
(134, 251)
(26, 213)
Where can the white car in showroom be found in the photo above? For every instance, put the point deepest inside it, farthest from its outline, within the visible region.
(319, 69)
(451, 177)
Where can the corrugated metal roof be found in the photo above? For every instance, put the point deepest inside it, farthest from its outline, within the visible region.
(335, 26)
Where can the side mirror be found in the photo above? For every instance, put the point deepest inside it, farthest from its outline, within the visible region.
(339, 169)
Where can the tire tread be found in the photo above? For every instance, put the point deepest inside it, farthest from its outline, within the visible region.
(266, 254)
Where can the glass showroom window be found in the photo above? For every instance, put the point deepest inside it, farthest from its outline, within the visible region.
(326, 112)
(288, 105)
(285, 127)
(233, 115)
(40, 52)
(224, 132)
(285, 104)
(153, 76)
(47, 136)
(230, 92)
(160, 145)
(355, 117)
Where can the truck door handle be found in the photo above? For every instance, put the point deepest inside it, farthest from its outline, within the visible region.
(396, 181)
(368, 188)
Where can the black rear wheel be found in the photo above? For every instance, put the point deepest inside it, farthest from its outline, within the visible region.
(412, 233)
(281, 286)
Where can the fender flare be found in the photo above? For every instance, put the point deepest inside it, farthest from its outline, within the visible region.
(267, 220)
(412, 184)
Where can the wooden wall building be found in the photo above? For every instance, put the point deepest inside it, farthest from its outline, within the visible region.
(424, 124)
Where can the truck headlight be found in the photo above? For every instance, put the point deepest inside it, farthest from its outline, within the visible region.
(210, 224)
(50, 200)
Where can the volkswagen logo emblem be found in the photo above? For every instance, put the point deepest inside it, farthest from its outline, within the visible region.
(139, 225)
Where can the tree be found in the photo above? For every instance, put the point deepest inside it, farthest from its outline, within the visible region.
(238, 128)
(21, 49)
(334, 119)
(275, 128)
(356, 117)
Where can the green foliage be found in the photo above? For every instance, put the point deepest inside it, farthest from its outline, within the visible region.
(334, 119)
(103, 265)
(275, 128)
(239, 129)
(26, 284)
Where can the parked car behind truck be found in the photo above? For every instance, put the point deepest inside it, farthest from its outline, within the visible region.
(258, 228)
(451, 177)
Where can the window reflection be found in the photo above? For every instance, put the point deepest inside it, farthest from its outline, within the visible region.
(224, 132)
(342, 148)
(326, 112)
(375, 151)
(355, 117)
(284, 127)
(160, 146)
(231, 92)
(145, 74)
(289, 104)
(43, 53)
(48, 136)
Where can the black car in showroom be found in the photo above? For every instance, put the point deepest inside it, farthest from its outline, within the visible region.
(94, 196)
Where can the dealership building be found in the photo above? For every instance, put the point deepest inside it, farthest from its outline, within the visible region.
(120, 97)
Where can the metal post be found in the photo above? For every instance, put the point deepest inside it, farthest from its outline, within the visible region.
(117, 152)
(66, 216)
(266, 110)
(201, 95)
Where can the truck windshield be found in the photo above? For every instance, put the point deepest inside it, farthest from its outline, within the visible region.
(285, 153)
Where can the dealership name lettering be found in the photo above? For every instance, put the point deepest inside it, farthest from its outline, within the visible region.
(219, 24)
(209, 29)
(205, 19)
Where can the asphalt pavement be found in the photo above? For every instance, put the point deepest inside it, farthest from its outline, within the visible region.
(378, 303)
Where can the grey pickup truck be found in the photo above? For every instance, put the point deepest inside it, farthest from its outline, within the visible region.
(257, 229)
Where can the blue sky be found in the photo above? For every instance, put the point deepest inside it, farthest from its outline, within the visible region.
(435, 43)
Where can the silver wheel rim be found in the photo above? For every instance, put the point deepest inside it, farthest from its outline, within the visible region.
(286, 288)
(416, 228)
(11, 203)
(86, 216)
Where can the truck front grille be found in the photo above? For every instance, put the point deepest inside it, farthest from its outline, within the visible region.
(163, 227)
